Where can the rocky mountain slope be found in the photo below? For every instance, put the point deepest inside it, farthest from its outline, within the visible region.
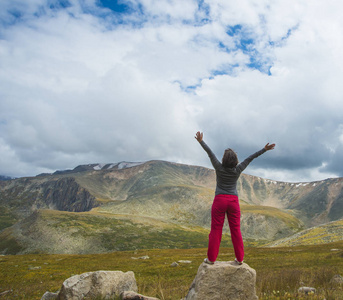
(25, 195)
(168, 196)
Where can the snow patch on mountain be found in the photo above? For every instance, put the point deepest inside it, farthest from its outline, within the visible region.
(124, 165)
(99, 167)
(119, 166)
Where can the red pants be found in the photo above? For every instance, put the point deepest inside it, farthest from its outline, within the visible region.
(229, 205)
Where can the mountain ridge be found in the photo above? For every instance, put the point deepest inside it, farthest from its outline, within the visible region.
(171, 193)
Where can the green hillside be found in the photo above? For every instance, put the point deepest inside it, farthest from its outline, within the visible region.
(327, 233)
(50, 231)
(99, 231)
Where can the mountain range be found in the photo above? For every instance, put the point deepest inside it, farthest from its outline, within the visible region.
(3, 177)
(98, 208)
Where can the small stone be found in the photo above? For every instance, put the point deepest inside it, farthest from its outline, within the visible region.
(34, 268)
(185, 261)
(174, 264)
(5, 292)
(337, 279)
(306, 290)
(144, 257)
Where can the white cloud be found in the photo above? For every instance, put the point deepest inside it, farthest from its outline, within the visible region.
(77, 88)
(306, 175)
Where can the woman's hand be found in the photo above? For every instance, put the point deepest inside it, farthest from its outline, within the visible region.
(198, 136)
(269, 147)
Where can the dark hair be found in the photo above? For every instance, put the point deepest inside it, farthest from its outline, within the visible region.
(230, 159)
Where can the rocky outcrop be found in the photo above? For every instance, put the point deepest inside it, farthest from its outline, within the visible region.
(105, 284)
(24, 195)
(223, 280)
(66, 194)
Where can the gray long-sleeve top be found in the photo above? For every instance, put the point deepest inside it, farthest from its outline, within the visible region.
(227, 177)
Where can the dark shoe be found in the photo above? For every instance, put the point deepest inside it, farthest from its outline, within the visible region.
(238, 262)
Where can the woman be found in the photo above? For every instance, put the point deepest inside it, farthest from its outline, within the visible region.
(226, 199)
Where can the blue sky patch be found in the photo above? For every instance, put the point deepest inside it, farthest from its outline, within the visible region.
(60, 4)
(115, 5)
(234, 30)
(245, 42)
(204, 12)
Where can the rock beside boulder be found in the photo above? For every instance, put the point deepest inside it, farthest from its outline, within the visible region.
(105, 284)
(337, 279)
(49, 296)
(223, 280)
(134, 296)
(184, 261)
(174, 264)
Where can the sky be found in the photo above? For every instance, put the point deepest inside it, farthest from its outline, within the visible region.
(102, 81)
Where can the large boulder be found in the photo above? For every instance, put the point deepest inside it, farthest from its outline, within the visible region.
(223, 281)
(104, 284)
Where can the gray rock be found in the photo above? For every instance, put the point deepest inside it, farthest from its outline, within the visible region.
(306, 290)
(174, 264)
(49, 296)
(144, 257)
(184, 261)
(134, 296)
(223, 280)
(105, 284)
(337, 279)
(6, 292)
(34, 268)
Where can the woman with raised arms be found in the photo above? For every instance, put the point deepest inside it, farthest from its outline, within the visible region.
(226, 199)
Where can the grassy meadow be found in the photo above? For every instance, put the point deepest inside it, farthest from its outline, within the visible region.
(280, 271)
